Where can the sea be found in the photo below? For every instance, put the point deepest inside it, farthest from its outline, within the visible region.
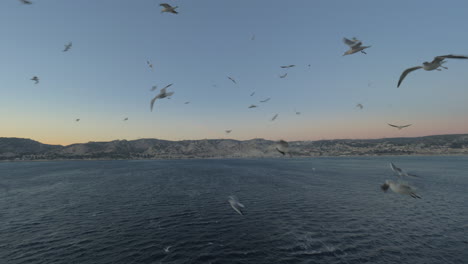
(297, 210)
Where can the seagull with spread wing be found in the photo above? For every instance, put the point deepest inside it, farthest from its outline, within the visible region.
(67, 46)
(266, 100)
(162, 94)
(35, 79)
(282, 147)
(360, 106)
(399, 127)
(230, 78)
(236, 205)
(401, 173)
(435, 64)
(288, 66)
(400, 188)
(168, 8)
(274, 117)
(283, 76)
(252, 106)
(355, 45)
(26, 2)
(228, 131)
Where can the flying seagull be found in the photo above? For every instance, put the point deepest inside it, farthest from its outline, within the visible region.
(234, 81)
(162, 94)
(35, 79)
(235, 204)
(187, 102)
(435, 64)
(228, 131)
(252, 93)
(77, 120)
(166, 249)
(288, 66)
(252, 106)
(168, 8)
(67, 47)
(400, 172)
(283, 76)
(399, 127)
(354, 46)
(125, 119)
(154, 87)
(360, 106)
(266, 100)
(282, 147)
(26, 2)
(400, 188)
(253, 37)
(274, 117)
(297, 113)
(149, 64)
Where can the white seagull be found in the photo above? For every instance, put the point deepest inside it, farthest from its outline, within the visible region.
(288, 66)
(26, 2)
(235, 204)
(354, 46)
(228, 131)
(283, 76)
(125, 119)
(77, 120)
(67, 47)
(435, 64)
(274, 117)
(266, 100)
(162, 94)
(252, 106)
(168, 8)
(400, 188)
(297, 113)
(360, 106)
(399, 127)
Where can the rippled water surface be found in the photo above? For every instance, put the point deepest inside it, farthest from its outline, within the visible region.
(177, 211)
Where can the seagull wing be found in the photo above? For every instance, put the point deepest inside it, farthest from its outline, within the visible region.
(403, 75)
(167, 86)
(169, 94)
(234, 81)
(349, 42)
(165, 5)
(393, 125)
(405, 126)
(441, 58)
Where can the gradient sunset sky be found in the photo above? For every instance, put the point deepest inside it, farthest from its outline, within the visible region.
(104, 77)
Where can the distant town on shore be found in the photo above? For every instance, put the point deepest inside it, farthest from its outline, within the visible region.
(16, 149)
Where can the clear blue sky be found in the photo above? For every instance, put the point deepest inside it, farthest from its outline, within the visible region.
(104, 77)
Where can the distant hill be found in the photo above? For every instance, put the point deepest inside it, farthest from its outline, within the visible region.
(26, 149)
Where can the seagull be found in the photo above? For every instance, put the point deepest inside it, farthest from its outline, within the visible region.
(297, 113)
(400, 172)
(125, 119)
(252, 94)
(400, 188)
(235, 204)
(252, 106)
(274, 117)
(283, 76)
(67, 46)
(162, 94)
(77, 120)
(149, 64)
(234, 81)
(288, 66)
(435, 64)
(253, 37)
(154, 87)
(228, 131)
(168, 8)
(36, 79)
(166, 249)
(354, 46)
(399, 127)
(26, 2)
(266, 100)
(282, 147)
(360, 106)
(187, 102)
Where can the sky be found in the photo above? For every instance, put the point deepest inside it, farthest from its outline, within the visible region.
(104, 78)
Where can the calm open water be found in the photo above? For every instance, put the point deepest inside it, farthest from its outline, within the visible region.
(131, 211)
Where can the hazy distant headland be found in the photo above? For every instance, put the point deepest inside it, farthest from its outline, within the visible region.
(27, 149)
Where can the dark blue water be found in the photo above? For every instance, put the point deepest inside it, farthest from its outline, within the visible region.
(130, 211)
